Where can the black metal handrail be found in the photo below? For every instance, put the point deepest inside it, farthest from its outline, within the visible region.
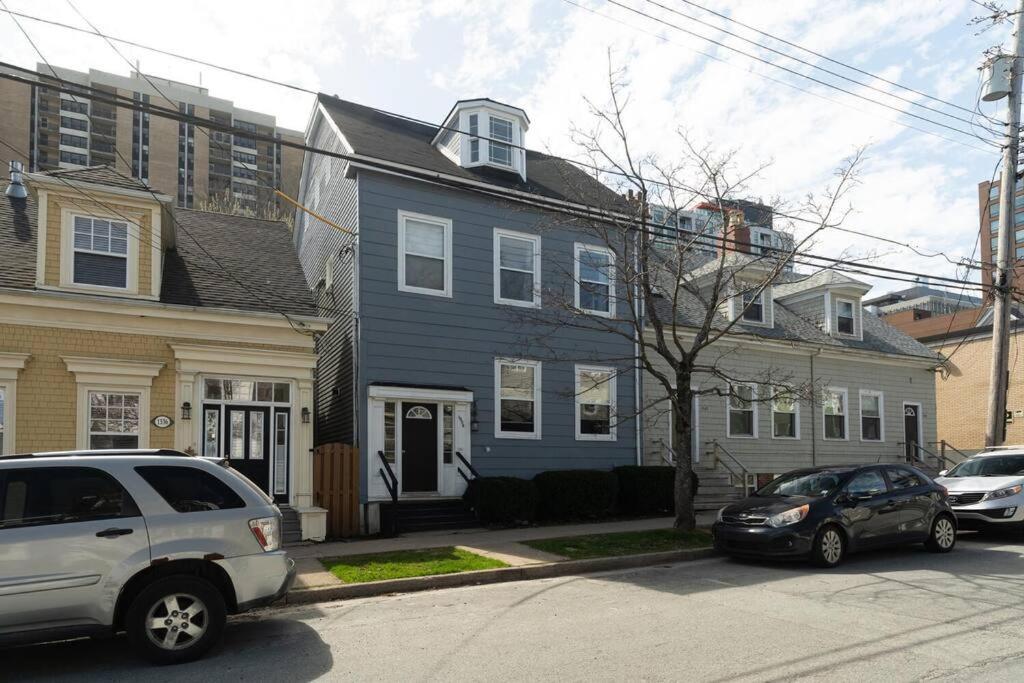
(463, 474)
(472, 470)
(391, 483)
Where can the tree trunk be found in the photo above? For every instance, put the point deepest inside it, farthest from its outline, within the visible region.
(682, 444)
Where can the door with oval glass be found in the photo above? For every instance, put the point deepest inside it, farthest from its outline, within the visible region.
(247, 442)
(419, 447)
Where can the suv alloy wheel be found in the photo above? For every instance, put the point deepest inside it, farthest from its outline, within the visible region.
(176, 619)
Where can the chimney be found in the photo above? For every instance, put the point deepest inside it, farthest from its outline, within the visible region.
(16, 190)
(736, 233)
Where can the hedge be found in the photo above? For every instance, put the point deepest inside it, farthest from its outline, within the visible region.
(646, 490)
(505, 501)
(576, 494)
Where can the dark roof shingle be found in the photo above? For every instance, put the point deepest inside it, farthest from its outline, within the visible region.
(100, 175)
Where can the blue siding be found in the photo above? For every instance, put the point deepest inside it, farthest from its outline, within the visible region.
(420, 339)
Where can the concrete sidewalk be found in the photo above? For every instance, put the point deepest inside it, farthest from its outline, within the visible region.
(502, 544)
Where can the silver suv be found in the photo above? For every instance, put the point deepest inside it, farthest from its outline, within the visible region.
(987, 489)
(159, 544)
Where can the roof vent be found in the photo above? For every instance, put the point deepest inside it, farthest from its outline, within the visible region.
(16, 190)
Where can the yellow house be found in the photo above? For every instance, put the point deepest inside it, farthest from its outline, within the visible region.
(128, 323)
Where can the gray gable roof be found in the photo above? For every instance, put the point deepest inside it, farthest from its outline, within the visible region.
(878, 335)
(265, 275)
(374, 133)
(101, 175)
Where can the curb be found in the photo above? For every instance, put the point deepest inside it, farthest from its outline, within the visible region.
(488, 576)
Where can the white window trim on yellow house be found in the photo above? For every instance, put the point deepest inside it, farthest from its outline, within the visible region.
(139, 204)
(111, 375)
(10, 365)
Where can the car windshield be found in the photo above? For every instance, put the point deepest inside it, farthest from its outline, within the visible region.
(990, 466)
(811, 484)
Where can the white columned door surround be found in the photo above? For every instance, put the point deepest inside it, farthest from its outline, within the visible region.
(193, 362)
(450, 484)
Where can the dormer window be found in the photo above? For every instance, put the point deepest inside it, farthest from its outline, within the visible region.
(501, 129)
(484, 133)
(753, 307)
(101, 252)
(844, 317)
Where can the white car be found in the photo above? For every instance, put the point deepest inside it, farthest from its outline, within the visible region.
(987, 489)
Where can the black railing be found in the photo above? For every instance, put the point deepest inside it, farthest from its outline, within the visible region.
(391, 482)
(469, 466)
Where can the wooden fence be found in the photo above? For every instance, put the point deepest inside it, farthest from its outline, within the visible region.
(336, 487)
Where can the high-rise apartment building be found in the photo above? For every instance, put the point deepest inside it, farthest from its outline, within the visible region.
(61, 130)
(988, 210)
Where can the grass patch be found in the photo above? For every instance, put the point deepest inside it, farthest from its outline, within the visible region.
(624, 543)
(402, 564)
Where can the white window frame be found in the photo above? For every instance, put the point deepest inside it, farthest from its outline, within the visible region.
(612, 397)
(535, 240)
(446, 223)
(846, 414)
(881, 414)
(744, 309)
(767, 309)
(795, 413)
(495, 140)
(67, 252)
(7, 391)
(578, 248)
(853, 313)
(498, 432)
(84, 414)
(753, 408)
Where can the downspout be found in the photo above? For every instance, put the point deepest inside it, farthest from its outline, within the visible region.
(814, 415)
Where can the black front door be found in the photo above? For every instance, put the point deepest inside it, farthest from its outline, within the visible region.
(911, 432)
(419, 447)
(247, 442)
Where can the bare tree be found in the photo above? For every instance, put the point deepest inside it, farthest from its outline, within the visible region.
(676, 290)
(228, 202)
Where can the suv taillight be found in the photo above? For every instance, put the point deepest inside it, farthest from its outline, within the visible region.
(267, 532)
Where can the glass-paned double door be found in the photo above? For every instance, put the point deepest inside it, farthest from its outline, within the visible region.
(254, 439)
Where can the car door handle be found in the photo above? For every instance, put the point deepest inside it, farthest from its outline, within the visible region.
(111, 533)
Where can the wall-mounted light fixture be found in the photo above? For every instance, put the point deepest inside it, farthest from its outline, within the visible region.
(186, 411)
(305, 416)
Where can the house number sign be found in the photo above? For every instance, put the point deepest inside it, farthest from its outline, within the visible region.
(162, 422)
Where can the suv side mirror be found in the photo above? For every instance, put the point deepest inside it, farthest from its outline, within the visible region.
(943, 473)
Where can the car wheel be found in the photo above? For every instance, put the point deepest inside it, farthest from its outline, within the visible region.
(942, 538)
(829, 547)
(176, 619)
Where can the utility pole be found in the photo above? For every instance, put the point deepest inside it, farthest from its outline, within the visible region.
(1003, 280)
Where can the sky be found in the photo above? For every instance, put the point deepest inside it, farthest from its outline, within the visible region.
(917, 181)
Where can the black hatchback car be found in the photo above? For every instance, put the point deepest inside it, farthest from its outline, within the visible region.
(823, 513)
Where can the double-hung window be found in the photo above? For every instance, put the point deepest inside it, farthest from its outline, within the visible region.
(844, 316)
(595, 403)
(753, 306)
(517, 388)
(424, 254)
(595, 280)
(500, 145)
(742, 419)
(872, 426)
(834, 413)
(100, 252)
(785, 415)
(516, 268)
(113, 419)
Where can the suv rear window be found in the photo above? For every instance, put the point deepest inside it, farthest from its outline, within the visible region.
(189, 489)
(61, 495)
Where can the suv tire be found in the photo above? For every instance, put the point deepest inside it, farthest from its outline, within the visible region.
(829, 547)
(942, 537)
(176, 619)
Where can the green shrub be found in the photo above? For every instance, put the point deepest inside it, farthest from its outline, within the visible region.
(576, 494)
(646, 490)
(505, 501)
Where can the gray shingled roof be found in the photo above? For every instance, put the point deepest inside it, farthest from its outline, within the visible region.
(376, 134)
(101, 175)
(265, 272)
(878, 335)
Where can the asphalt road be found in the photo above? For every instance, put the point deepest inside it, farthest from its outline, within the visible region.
(895, 616)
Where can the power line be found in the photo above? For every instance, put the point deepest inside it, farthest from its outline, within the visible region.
(801, 75)
(430, 176)
(830, 59)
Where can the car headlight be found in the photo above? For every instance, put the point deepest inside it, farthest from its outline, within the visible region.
(789, 516)
(1004, 493)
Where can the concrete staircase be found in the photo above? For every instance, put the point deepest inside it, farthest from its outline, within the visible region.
(291, 530)
(430, 515)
